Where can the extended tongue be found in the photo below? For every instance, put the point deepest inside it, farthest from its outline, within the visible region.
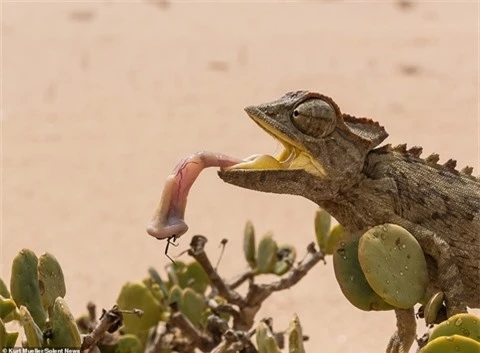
(168, 218)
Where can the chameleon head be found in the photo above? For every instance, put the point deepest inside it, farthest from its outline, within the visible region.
(320, 143)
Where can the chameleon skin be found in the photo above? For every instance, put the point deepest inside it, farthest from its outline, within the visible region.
(168, 218)
(362, 185)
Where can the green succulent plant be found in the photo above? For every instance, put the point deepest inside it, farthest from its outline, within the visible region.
(467, 325)
(322, 224)
(33, 333)
(295, 336)
(136, 295)
(382, 269)
(328, 239)
(249, 245)
(24, 286)
(7, 308)
(7, 339)
(266, 342)
(455, 343)
(352, 280)
(50, 281)
(433, 308)
(37, 288)
(269, 257)
(394, 265)
(4, 292)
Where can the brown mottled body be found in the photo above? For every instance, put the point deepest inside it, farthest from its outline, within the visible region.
(363, 186)
(399, 187)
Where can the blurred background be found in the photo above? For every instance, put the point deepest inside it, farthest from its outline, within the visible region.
(102, 98)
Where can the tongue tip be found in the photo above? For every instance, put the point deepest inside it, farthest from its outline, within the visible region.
(176, 230)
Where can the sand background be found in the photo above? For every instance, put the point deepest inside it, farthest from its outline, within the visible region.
(101, 99)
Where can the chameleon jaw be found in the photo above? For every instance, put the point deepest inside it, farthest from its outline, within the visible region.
(291, 158)
(267, 162)
(285, 161)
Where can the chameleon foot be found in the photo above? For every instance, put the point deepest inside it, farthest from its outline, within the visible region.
(403, 338)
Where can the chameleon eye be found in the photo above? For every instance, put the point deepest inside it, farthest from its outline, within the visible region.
(314, 117)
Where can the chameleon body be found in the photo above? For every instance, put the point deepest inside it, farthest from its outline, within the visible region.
(333, 159)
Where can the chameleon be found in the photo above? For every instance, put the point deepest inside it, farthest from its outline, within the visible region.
(335, 160)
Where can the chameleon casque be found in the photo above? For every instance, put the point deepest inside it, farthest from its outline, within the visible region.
(333, 159)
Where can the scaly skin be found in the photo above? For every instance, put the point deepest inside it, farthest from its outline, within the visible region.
(331, 158)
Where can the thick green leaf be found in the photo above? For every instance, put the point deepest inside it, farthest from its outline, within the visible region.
(267, 254)
(249, 245)
(322, 228)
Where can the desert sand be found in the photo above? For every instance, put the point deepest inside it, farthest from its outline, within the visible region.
(100, 99)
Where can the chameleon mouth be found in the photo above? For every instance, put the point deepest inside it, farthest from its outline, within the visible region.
(287, 159)
(293, 157)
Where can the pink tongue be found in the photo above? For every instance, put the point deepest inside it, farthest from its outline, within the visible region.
(168, 217)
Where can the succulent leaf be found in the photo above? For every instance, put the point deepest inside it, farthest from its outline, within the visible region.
(24, 285)
(65, 332)
(7, 339)
(267, 254)
(11, 339)
(455, 343)
(175, 295)
(335, 237)
(7, 306)
(467, 325)
(432, 308)
(351, 279)
(194, 277)
(193, 306)
(295, 336)
(4, 292)
(173, 269)
(50, 280)
(128, 344)
(249, 245)
(322, 228)
(138, 296)
(286, 255)
(158, 280)
(33, 333)
(394, 265)
(266, 340)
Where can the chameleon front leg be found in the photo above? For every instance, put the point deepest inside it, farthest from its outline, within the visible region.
(449, 279)
(403, 338)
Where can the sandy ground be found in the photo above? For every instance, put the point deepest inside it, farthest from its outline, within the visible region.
(102, 98)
